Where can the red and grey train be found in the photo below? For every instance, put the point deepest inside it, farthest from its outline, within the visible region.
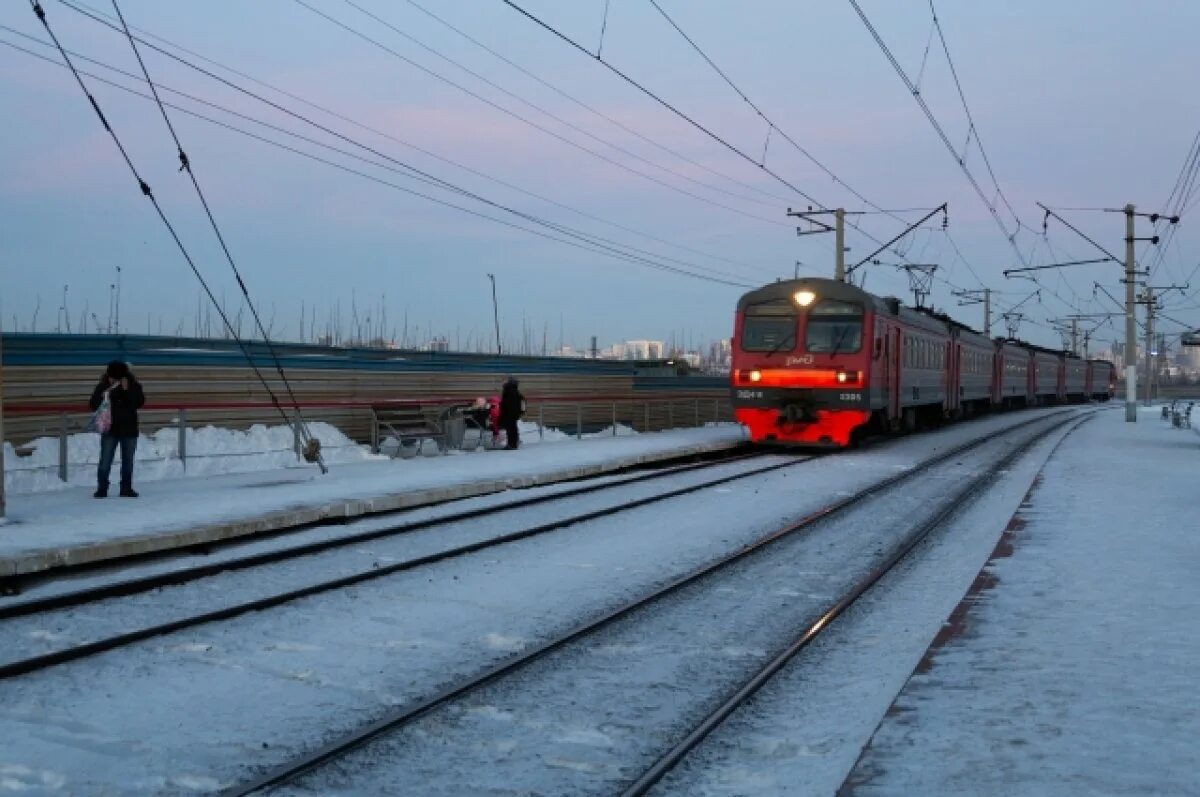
(821, 362)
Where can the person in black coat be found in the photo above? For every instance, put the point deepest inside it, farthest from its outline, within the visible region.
(512, 407)
(125, 397)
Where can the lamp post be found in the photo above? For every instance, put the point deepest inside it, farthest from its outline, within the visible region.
(495, 312)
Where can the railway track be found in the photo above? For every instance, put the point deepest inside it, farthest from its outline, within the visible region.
(13, 586)
(42, 611)
(334, 759)
(219, 562)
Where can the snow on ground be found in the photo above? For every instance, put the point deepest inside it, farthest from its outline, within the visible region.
(1076, 671)
(802, 733)
(212, 451)
(587, 718)
(71, 517)
(26, 637)
(273, 684)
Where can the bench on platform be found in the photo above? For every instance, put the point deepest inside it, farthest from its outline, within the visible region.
(406, 424)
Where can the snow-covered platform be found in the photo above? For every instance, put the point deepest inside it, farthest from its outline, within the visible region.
(1069, 668)
(69, 528)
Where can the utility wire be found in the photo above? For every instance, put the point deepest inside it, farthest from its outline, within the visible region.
(590, 108)
(149, 194)
(185, 165)
(972, 129)
(442, 183)
(613, 251)
(959, 159)
(98, 18)
(771, 126)
(542, 128)
(706, 131)
(565, 122)
(367, 160)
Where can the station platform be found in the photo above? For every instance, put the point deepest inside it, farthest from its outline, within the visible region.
(1069, 666)
(70, 528)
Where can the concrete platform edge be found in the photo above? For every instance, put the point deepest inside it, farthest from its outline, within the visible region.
(110, 550)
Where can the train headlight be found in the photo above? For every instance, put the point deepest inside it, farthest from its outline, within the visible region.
(804, 298)
(844, 377)
(755, 376)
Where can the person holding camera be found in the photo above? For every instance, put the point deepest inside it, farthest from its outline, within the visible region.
(125, 397)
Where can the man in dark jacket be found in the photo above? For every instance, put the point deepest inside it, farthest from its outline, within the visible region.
(512, 407)
(125, 398)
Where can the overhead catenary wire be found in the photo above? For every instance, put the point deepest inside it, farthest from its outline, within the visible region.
(673, 109)
(185, 165)
(343, 152)
(592, 109)
(324, 128)
(937, 126)
(580, 244)
(209, 73)
(773, 127)
(973, 129)
(146, 191)
(376, 131)
(525, 120)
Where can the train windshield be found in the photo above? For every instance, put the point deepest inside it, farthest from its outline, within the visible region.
(834, 326)
(769, 327)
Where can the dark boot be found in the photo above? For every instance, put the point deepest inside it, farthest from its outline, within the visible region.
(101, 492)
(127, 491)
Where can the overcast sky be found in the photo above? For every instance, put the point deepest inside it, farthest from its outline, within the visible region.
(1078, 105)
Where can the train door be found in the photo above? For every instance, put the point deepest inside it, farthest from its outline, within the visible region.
(1031, 377)
(893, 354)
(952, 375)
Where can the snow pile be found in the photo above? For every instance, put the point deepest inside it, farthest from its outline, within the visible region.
(210, 451)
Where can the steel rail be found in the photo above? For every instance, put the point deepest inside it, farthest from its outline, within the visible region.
(170, 578)
(696, 736)
(407, 713)
(20, 608)
(64, 655)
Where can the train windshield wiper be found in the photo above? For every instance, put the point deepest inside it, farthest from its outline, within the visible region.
(837, 343)
(791, 338)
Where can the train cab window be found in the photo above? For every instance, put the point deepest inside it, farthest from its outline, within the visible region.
(769, 327)
(834, 326)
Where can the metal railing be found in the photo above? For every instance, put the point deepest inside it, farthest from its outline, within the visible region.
(555, 415)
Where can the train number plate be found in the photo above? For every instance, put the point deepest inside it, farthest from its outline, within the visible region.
(850, 396)
(750, 394)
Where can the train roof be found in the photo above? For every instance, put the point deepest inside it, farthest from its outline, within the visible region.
(920, 317)
(823, 288)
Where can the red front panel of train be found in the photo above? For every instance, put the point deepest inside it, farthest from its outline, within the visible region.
(803, 377)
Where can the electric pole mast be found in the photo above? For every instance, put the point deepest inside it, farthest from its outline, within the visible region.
(1130, 323)
(1149, 345)
(839, 270)
(838, 229)
(1153, 352)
